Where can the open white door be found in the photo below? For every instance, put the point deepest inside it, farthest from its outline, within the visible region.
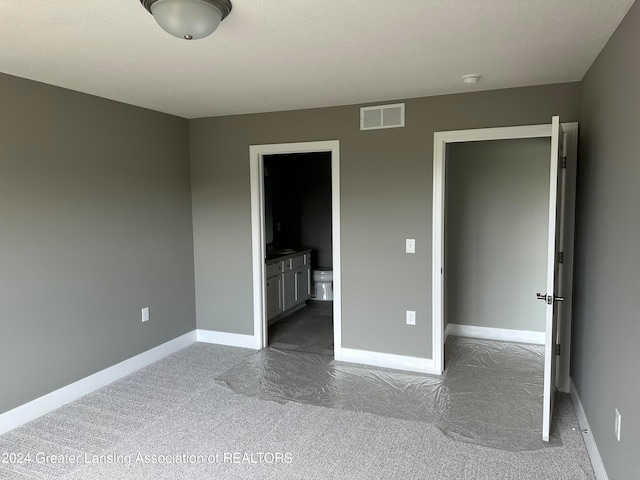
(552, 296)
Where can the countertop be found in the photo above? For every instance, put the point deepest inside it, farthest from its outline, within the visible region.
(274, 257)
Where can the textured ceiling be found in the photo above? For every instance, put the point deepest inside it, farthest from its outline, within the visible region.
(271, 55)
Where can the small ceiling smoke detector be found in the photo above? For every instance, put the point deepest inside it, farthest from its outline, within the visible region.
(471, 79)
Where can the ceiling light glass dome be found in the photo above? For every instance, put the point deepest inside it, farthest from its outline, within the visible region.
(188, 19)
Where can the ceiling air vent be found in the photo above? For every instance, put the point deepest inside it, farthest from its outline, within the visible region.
(382, 116)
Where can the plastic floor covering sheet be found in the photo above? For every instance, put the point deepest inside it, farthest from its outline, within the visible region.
(490, 394)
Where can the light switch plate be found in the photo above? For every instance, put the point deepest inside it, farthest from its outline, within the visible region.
(411, 245)
(145, 314)
(411, 317)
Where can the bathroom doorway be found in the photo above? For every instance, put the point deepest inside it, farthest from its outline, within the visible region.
(296, 237)
(297, 198)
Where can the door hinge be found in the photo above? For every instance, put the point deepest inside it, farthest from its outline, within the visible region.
(564, 162)
(561, 257)
(558, 349)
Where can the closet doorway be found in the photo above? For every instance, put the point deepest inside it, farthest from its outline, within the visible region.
(487, 257)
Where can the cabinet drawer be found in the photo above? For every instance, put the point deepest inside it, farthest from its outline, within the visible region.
(274, 269)
(297, 262)
(285, 265)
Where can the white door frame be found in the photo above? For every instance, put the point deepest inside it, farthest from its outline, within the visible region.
(440, 141)
(256, 155)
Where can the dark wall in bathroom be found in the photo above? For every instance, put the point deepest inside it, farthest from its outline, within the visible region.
(284, 172)
(301, 185)
(315, 221)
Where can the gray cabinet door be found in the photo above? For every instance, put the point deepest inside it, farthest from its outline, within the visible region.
(274, 296)
(289, 289)
(304, 284)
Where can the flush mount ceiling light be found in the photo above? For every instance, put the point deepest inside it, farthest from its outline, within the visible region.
(188, 19)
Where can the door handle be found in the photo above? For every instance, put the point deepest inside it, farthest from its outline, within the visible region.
(549, 298)
(545, 297)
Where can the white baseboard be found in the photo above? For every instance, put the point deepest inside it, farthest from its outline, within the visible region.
(387, 360)
(229, 339)
(56, 399)
(487, 333)
(592, 448)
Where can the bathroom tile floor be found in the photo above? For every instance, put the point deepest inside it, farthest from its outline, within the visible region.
(307, 330)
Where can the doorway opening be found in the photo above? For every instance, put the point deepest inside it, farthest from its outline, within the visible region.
(297, 198)
(501, 208)
(496, 231)
(296, 246)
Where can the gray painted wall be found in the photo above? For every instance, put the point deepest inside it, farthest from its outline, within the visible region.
(95, 223)
(496, 228)
(606, 331)
(386, 196)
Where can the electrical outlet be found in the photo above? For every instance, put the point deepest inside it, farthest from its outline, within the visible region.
(617, 424)
(411, 245)
(411, 317)
(145, 314)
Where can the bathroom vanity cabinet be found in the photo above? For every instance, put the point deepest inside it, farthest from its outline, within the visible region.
(274, 298)
(288, 283)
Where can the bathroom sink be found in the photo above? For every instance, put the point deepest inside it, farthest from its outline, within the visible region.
(283, 251)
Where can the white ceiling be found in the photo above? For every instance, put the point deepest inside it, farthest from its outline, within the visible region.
(271, 55)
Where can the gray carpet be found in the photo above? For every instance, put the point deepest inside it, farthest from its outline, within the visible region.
(173, 420)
